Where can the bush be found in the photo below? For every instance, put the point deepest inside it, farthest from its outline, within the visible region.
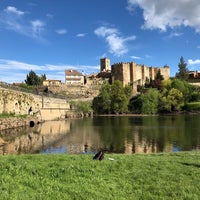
(83, 106)
(135, 104)
(112, 99)
(150, 102)
(193, 106)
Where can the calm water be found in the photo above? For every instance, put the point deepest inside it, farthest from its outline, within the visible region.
(114, 134)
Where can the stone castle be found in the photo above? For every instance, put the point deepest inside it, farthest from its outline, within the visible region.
(130, 73)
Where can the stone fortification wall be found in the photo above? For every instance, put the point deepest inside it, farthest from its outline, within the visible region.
(90, 90)
(16, 102)
(19, 103)
(117, 72)
(13, 122)
(133, 73)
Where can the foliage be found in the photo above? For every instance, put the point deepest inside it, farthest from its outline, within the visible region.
(183, 71)
(193, 106)
(81, 106)
(135, 104)
(112, 99)
(150, 101)
(171, 100)
(159, 76)
(195, 96)
(102, 103)
(119, 100)
(184, 87)
(152, 176)
(174, 94)
(33, 79)
(146, 103)
(166, 83)
(7, 115)
(128, 91)
(27, 88)
(42, 78)
(156, 83)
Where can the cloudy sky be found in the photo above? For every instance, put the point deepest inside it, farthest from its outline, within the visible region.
(51, 36)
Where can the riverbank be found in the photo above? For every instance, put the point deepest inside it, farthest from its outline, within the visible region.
(138, 176)
(14, 122)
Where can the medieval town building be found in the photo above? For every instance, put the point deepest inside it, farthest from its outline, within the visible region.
(73, 77)
(52, 82)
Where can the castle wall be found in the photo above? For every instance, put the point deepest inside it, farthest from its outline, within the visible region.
(165, 71)
(132, 73)
(117, 72)
(19, 103)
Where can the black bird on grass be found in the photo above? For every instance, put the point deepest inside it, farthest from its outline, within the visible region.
(99, 156)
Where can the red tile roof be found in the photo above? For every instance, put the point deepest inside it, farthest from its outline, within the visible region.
(72, 72)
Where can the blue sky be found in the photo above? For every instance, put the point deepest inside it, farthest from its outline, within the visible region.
(49, 36)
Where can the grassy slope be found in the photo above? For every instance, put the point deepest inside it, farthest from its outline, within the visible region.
(153, 176)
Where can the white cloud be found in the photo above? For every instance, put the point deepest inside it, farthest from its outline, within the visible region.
(13, 19)
(136, 57)
(116, 42)
(163, 14)
(13, 10)
(49, 15)
(37, 27)
(175, 34)
(80, 35)
(193, 62)
(20, 70)
(61, 31)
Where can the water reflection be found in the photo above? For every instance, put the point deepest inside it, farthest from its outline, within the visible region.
(113, 134)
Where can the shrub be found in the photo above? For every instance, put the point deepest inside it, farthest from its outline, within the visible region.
(193, 106)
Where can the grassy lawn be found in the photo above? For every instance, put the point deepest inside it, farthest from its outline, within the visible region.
(152, 176)
(7, 115)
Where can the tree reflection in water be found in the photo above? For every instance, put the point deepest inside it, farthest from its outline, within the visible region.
(119, 134)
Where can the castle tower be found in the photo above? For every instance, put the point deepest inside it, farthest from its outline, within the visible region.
(105, 65)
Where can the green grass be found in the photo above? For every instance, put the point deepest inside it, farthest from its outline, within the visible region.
(7, 115)
(152, 176)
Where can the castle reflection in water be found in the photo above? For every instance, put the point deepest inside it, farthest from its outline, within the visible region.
(72, 137)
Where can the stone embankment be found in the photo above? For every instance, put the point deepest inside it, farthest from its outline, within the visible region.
(14, 122)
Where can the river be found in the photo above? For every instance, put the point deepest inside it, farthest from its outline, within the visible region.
(113, 134)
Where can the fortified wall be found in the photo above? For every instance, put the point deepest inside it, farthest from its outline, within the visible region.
(134, 74)
(24, 103)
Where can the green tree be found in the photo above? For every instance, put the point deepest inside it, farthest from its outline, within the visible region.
(171, 100)
(112, 99)
(184, 87)
(159, 76)
(42, 78)
(135, 104)
(150, 101)
(183, 71)
(102, 103)
(32, 78)
(119, 100)
(128, 91)
(156, 83)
